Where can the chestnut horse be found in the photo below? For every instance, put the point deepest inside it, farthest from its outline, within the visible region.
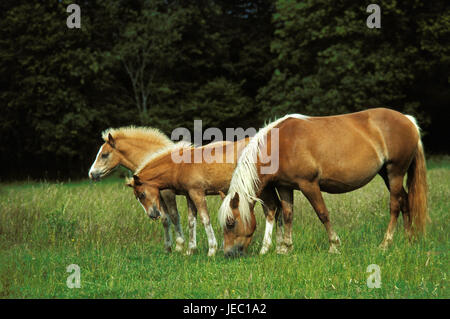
(335, 154)
(209, 174)
(129, 146)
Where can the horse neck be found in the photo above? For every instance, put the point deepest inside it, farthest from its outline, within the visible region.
(133, 151)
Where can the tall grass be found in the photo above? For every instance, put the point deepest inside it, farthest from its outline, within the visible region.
(44, 227)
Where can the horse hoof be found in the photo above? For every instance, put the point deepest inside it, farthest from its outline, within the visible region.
(263, 251)
(179, 248)
(282, 250)
(338, 241)
(211, 252)
(179, 244)
(190, 251)
(334, 250)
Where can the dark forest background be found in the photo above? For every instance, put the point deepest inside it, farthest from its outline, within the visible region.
(228, 62)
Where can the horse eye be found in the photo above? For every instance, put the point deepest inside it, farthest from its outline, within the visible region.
(141, 196)
(105, 155)
(230, 223)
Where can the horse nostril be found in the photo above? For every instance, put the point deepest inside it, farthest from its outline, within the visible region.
(94, 176)
(154, 214)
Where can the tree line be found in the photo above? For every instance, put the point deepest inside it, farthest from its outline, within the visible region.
(164, 63)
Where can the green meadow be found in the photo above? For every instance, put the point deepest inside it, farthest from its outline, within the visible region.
(45, 227)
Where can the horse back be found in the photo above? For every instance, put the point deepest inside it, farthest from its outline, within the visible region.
(214, 170)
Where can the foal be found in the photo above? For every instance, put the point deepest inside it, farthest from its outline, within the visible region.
(195, 177)
(129, 146)
(335, 154)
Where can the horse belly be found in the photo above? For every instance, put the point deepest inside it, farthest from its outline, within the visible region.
(337, 186)
(217, 178)
(348, 177)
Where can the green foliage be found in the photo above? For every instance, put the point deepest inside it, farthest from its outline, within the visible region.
(156, 63)
(56, 90)
(219, 103)
(229, 63)
(146, 48)
(328, 62)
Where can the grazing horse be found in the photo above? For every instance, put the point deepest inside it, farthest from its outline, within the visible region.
(335, 154)
(195, 177)
(129, 146)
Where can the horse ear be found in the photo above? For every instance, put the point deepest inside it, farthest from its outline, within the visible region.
(137, 180)
(111, 140)
(222, 195)
(235, 201)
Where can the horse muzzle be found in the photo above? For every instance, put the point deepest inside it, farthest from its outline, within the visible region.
(235, 251)
(154, 213)
(95, 176)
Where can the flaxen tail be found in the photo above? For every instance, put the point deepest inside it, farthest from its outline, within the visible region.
(418, 191)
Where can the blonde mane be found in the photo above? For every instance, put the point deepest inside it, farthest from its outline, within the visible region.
(149, 134)
(162, 152)
(245, 178)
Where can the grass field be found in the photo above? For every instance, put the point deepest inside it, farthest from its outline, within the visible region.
(44, 227)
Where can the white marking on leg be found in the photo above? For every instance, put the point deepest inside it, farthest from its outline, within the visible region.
(192, 234)
(212, 242)
(178, 231)
(180, 244)
(336, 239)
(180, 237)
(267, 241)
(334, 243)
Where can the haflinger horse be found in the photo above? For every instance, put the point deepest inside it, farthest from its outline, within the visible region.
(129, 146)
(196, 176)
(335, 154)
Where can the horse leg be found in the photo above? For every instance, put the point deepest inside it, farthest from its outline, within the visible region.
(280, 232)
(287, 203)
(198, 197)
(267, 241)
(270, 200)
(395, 188)
(169, 199)
(404, 207)
(166, 224)
(405, 213)
(312, 192)
(192, 219)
